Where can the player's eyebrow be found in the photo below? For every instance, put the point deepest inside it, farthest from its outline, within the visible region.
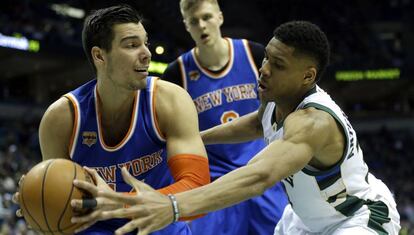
(130, 38)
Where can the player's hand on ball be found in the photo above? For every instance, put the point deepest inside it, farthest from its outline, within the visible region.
(16, 198)
(149, 209)
(95, 205)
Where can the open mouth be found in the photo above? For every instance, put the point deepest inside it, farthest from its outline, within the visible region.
(204, 36)
(142, 70)
(261, 86)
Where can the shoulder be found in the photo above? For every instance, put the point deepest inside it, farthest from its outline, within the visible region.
(257, 51)
(312, 123)
(170, 94)
(56, 129)
(57, 122)
(255, 46)
(310, 117)
(173, 66)
(173, 73)
(61, 111)
(172, 105)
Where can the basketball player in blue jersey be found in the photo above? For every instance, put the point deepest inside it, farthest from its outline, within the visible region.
(311, 147)
(125, 119)
(221, 76)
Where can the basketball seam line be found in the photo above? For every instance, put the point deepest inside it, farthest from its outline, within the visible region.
(27, 210)
(66, 206)
(43, 197)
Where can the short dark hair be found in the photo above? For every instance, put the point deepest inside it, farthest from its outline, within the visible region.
(307, 39)
(187, 5)
(98, 27)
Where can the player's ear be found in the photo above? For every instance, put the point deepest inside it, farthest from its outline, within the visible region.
(186, 25)
(97, 55)
(310, 75)
(221, 18)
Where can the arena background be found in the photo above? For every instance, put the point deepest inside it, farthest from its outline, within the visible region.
(371, 73)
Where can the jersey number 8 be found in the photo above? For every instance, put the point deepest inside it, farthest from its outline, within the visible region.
(229, 116)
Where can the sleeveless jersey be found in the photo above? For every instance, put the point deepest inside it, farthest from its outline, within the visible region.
(142, 151)
(323, 199)
(220, 98)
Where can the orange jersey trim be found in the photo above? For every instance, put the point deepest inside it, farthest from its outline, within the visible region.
(75, 123)
(157, 128)
(250, 57)
(182, 71)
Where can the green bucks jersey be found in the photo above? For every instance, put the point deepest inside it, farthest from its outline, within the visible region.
(323, 199)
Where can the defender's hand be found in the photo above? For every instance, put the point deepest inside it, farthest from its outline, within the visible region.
(149, 209)
(97, 204)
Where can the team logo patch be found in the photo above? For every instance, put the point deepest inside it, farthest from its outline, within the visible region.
(89, 138)
(194, 75)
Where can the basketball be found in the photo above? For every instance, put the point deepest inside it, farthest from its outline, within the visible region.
(46, 192)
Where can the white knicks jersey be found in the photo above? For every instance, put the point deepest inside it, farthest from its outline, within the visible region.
(324, 199)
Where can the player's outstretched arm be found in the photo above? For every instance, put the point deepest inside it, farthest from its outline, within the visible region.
(245, 128)
(152, 210)
(307, 133)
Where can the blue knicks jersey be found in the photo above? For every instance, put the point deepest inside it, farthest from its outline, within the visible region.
(142, 150)
(220, 98)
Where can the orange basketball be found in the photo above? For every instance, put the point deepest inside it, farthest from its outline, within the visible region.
(46, 192)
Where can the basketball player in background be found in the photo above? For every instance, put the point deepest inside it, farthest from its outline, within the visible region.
(221, 76)
(312, 148)
(125, 118)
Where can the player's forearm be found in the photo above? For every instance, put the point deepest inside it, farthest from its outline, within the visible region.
(275, 162)
(237, 186)
(242, 129)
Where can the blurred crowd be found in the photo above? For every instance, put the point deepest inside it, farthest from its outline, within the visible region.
(19, 151)
(388, 154)
(362, 33)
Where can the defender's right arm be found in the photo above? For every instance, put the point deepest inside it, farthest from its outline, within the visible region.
(245, 128)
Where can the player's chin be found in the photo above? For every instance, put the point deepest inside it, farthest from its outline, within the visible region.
(263, 96)
(138, 83)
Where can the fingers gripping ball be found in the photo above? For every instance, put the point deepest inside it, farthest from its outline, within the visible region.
(46, 192)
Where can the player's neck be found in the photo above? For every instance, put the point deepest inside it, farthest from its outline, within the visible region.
(289, 104)
(114, 101)
(214, 57)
